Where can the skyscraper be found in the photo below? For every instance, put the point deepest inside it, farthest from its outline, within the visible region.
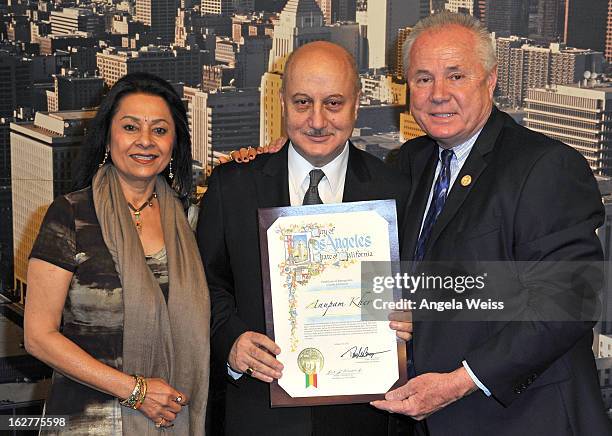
(159, 15)
(585, 24)
(507, 17)
(608, 52)
(551, 19)
(224, 120)
(44, 159)
(300, 22)
(523, 65)
(577, 116)
(384, 18)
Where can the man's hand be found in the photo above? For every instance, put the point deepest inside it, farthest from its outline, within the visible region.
(427, 393)
(256, 351)
(401, 322)
(250, 153)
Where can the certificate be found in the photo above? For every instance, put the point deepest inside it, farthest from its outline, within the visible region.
(311, 270)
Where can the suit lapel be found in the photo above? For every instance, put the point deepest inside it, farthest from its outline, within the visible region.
(272, 182)
(423, 167)
(473, 167)
(358, 177)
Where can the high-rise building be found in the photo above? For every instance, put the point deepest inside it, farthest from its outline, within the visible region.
(585, 24)
(343, 10)
(15, 82)
(175, 64)
(270, 124)
(71, 20)
(507, 17)
(326, 10)
(216, 76)
(72, 91)
(609, 33)
(523, 65)
(224, 120)
(348, 35)
(408, 128)
(159, 15)
(402, 34)
(461, 6)
(44, 161)
(300, 22)
(252, 60)
(580, 116)
(217, 7)
(383, 20)
(226, 7)
(551, 19)
(6, 215)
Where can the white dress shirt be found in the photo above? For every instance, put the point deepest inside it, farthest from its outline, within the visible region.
(331, 187)
(460, 155)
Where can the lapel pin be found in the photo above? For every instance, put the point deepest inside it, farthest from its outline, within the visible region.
(466, 180)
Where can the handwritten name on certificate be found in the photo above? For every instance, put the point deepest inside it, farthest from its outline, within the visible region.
(311, 265)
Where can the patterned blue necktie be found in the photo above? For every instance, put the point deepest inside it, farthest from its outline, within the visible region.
(437, 203)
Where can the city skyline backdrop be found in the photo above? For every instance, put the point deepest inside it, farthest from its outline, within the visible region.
(226, 59)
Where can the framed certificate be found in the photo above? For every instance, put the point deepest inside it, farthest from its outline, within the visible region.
(311, 269)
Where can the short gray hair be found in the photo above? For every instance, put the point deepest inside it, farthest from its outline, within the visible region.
(485, 49)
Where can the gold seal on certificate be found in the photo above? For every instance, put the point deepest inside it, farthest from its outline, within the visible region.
(310, 361)
(311, 269)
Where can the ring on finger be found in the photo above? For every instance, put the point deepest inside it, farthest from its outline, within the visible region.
(231, 155)
(178, 399)
(160, 423)
(249, 371)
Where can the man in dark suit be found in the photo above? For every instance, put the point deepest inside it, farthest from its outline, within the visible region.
(319, 164)
(486, 189)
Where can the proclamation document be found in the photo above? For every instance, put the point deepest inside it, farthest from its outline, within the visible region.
(315, 305)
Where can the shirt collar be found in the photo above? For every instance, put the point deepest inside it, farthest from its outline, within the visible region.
(462, 150)
(299, 168)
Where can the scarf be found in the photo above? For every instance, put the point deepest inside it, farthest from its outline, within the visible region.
(165, 341)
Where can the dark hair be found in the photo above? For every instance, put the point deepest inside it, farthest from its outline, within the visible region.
(98, 131)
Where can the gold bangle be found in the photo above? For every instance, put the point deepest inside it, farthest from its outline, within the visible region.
(143, 393)
(137, 393)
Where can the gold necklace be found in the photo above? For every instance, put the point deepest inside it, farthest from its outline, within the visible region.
(136, 211)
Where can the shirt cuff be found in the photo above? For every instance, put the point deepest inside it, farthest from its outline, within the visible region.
(474, 379)
(235, 374)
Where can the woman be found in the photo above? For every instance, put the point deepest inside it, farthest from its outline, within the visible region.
(118, 260)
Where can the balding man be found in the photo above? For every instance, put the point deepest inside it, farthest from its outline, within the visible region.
(487, 189)
(320, 98)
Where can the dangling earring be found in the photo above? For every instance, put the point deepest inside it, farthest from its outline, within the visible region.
(170, 173)
(104, 160)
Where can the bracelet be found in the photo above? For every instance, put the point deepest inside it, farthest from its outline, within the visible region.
(136, 398)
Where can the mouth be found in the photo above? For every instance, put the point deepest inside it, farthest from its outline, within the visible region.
(144, 158)
(443, 115)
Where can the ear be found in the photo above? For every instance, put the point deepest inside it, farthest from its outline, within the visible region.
(281, 96)
(357, 105)
(492, 80)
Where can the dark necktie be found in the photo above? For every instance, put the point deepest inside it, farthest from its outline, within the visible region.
(312, 194)
(437, 203)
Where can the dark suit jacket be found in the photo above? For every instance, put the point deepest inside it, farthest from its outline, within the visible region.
(229, 244)
(530, 199)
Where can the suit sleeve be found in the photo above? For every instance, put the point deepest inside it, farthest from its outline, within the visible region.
(226, 326)
(556, 215)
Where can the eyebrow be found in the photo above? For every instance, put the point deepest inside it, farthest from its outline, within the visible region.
(155, 121)
(451, 68)
(300, 94)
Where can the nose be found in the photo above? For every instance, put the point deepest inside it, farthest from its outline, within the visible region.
(145, 140)
(317, 117)
(439, 94)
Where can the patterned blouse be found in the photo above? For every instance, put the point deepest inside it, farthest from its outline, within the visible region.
(70, 238)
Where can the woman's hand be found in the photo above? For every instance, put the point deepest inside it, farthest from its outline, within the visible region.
(162, 402)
